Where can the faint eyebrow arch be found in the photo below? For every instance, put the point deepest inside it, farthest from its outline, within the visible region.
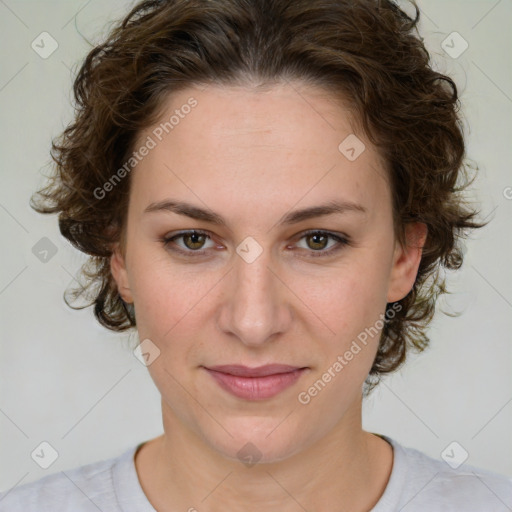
(293, 217)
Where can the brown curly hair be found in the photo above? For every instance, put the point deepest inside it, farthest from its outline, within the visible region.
(364, 50)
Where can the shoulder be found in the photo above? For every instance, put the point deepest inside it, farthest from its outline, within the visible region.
(425, 483)
(89, 487)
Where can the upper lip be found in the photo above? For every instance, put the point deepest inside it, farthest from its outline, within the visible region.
(259, 371)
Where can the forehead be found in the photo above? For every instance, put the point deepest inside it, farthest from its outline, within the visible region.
(276, 144)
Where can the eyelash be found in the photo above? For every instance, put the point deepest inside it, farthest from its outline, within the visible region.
(342, 241)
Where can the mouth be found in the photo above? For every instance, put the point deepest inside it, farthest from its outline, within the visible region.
(257, 383)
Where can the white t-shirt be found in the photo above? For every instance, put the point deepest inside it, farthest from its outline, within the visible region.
(418, 483)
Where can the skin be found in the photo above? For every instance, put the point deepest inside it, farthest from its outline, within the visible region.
(252, 157)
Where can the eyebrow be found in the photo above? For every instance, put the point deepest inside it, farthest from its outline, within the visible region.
(293, 217)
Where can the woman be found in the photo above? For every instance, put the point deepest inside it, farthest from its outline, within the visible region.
(267, 192)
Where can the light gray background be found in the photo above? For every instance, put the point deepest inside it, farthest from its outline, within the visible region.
(70, 382)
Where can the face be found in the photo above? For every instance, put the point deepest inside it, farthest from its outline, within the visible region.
(256, 283)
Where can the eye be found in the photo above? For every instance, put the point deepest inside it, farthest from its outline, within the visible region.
(317, 241)
(193, 242)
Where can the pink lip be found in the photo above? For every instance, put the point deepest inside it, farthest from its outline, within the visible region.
(255, 383)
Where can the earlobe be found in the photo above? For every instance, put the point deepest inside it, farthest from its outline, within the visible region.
(407, 261)
(120, 275)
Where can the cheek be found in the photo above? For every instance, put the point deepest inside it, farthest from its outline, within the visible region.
(353, 310)
(347, 299)
(350, 308)
(170, 303)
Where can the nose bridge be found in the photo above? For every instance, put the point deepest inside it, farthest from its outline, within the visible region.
(254, 308)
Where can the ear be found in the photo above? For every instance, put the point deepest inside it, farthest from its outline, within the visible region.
(118, 269)
(406, 261)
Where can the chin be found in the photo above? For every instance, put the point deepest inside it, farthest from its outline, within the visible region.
(260, 440)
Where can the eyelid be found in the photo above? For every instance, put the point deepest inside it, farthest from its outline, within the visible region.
(341, 239)
(167, 240)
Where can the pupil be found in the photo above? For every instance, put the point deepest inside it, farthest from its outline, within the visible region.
(316, 237)
(194, 237)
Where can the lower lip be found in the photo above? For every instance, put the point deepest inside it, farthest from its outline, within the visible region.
(256, 388)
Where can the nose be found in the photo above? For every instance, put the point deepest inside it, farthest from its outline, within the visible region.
(256, 307)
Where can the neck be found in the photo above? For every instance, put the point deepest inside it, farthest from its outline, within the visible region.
(346, 470)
